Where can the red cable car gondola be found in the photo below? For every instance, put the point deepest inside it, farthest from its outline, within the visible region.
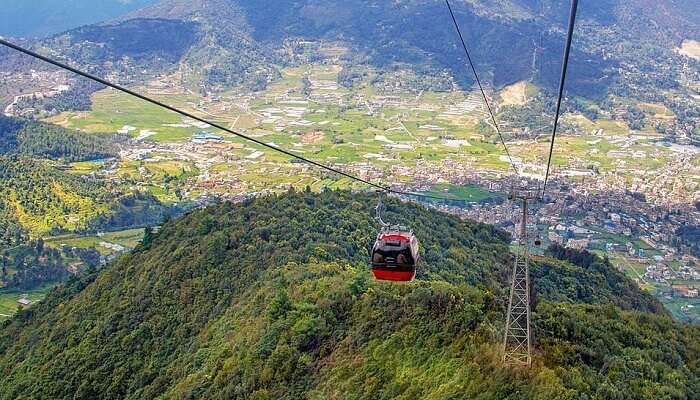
(394, 255)
(395, 252)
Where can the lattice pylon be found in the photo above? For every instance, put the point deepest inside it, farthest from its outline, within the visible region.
(516, 342)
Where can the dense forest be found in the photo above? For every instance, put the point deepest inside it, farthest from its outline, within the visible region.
(31, 138)
(77, 98)
(272, 299)
(583, 276)
(31, 265)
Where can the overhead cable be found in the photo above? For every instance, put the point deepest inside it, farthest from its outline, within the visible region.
(562, 81)
(481, 87)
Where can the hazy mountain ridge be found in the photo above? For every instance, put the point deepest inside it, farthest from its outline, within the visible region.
(242, 41)
(127, 47)
(38, 18)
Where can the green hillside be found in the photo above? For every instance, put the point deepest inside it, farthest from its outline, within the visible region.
(38, 199)
(36, 139)
(273, 300)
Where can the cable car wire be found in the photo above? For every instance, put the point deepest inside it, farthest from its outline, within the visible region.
(117, 87)
(564, 68)
(481, 88)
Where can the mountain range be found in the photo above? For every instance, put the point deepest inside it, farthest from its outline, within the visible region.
(225, 42)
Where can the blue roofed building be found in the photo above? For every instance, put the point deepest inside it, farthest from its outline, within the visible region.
(205, 136)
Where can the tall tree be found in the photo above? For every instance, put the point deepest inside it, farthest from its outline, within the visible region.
(147, 236)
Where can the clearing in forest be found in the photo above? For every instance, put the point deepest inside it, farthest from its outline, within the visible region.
(690, 48)
(515, 94)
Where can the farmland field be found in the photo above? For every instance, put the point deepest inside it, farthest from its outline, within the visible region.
(127, 238)
(469, 194)
(9, 298)
(343, 126)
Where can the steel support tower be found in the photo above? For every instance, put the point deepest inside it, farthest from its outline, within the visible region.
(517, 339)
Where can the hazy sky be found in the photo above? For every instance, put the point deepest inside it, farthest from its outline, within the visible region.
(44, 17)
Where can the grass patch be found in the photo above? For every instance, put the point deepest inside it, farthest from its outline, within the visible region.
(9, 298)
(468, 193)
(128, 238)
(612, 127)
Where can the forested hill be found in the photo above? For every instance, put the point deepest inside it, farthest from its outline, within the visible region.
(37, 139)
(273, 300)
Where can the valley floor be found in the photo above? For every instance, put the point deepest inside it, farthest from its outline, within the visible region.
(425, 141)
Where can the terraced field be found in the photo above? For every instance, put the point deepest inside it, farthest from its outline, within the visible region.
(402, 134)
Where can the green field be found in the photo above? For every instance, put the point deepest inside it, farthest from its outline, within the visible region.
(468, 193)
(674, 306)
(9, 298)
(633, 270)
(114, 110)
(349, 133)
(127, 238)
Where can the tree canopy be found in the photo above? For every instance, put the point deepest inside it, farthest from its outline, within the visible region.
(272, 299)
(37, 139)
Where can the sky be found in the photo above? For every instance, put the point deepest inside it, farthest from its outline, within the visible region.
(38, 18)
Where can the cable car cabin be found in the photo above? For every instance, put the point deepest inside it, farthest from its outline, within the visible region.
(394, 255)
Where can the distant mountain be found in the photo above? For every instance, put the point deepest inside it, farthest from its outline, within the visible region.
(38, 18)
(272, 299)
(622, 48)
(228, 42)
